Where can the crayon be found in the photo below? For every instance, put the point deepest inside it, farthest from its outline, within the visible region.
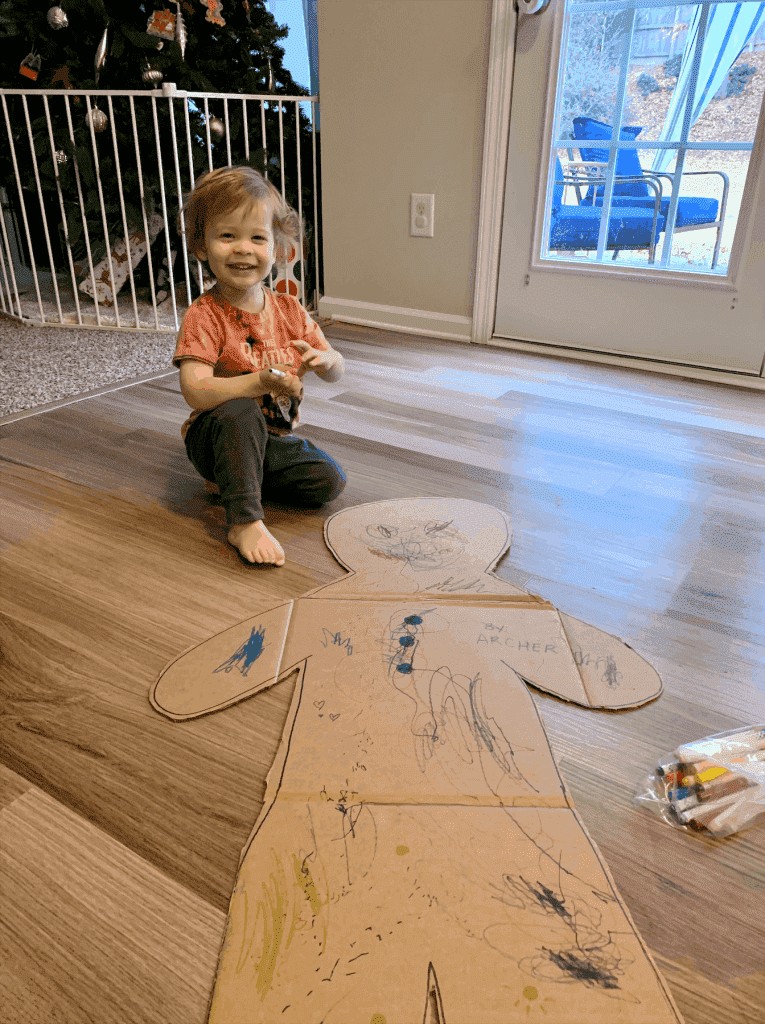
(707, 817)
(681, 793)
(719, 766)
(723, 787)
(699, 811)
(684, 804)
(670, 774)
(672, 782)
(705, 775)
(701, 764)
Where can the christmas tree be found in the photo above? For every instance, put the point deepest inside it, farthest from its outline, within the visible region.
(230, 45)
(83, 148)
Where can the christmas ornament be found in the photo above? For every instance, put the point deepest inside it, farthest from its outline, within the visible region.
(151, 76)
(214, 8)
(57, 18)
(30, 66)
(97, 120)
(247, 10)
(162, 24)
(101, 53)
(180, 29)
(286, 278)
(60, 157)
(62, 75)
(217, 127)
(270, 76)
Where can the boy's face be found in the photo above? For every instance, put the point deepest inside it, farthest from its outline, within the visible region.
(239, 246)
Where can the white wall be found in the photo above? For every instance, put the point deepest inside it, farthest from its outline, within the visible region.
(402, 89)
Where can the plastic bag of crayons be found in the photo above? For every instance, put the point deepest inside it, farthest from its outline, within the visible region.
(714, 785)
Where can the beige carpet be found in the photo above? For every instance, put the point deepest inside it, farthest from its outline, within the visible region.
(44, 364)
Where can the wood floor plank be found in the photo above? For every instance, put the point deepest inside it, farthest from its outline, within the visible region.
(92, 933)
(636, 503)
(12, 786)
(703, 1000)
(82, 730)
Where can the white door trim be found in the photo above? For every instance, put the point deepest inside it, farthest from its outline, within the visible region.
(499, 91)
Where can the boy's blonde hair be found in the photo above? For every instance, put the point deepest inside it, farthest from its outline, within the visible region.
(217, 192)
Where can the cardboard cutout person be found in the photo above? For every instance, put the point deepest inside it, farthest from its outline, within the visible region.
(418, 857)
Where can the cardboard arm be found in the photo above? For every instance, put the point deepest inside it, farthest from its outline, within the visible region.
(225, 669)
(571, 659)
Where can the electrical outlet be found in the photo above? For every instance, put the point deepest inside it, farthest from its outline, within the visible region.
(421, 214)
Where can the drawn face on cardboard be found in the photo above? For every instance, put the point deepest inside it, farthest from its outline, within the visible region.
(418, 536)
(431, 545)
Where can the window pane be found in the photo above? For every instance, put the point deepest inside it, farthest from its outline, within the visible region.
(684, 83)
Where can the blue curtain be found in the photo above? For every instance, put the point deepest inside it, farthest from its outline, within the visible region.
(729, 29)
(310, 16)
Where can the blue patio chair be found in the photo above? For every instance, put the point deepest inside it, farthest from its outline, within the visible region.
(576, 226)
(693, 212)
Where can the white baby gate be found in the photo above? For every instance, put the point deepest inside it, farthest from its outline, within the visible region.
(91, 184)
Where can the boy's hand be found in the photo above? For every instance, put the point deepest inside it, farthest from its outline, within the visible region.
(282, 382)
(315, 359)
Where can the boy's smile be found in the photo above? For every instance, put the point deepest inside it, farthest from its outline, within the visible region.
(239, 249)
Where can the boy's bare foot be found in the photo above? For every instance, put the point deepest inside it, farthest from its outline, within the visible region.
(256, 544)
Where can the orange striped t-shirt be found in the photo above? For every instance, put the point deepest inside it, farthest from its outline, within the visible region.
(233, 341)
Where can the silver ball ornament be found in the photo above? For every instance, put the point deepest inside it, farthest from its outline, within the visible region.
(97, 119)
(217, 128)
(152, 76)
(57, 18)
(60, 157)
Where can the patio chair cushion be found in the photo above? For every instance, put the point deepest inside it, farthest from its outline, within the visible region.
(691, 210)
(694, 210)
(577, 227)
(627, 162)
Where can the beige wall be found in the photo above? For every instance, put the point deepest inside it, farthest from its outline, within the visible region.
(402, 89)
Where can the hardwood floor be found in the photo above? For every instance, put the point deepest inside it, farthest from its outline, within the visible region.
(638, 504)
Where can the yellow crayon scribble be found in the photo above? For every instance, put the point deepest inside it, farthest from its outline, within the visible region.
(402, 850)
(270, 922)
(307, 884)
(529, 1005)
(271, 915)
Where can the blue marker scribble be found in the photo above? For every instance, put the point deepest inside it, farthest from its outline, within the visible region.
(404, 642)
(242, 659)
(337, 640)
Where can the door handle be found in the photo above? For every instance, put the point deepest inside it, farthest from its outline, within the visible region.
(531, 6)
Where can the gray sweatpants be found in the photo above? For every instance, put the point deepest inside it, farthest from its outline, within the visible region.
(230, 446)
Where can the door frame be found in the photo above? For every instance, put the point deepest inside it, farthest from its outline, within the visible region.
(499, 92)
